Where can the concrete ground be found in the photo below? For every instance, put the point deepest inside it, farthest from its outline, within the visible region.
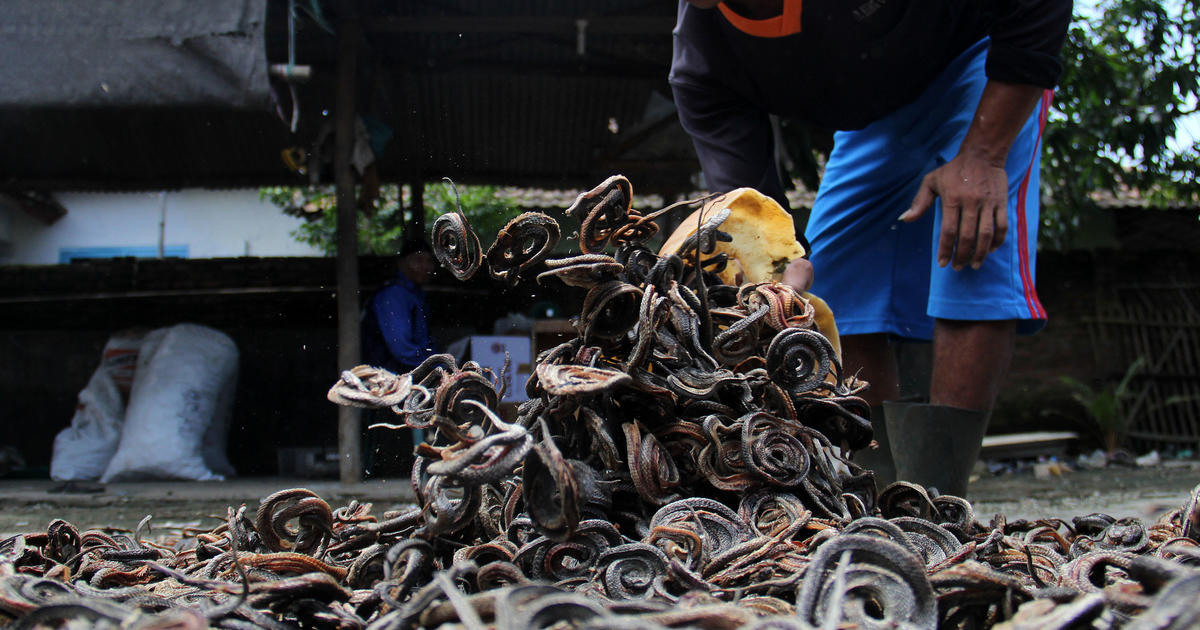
(29, 505)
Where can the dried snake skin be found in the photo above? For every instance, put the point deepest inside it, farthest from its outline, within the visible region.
(681, 463)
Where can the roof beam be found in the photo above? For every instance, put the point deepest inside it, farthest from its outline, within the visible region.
(528, 24)
(598, 71)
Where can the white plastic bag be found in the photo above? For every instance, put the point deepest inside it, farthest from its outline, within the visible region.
(177, 422)
(82, 451)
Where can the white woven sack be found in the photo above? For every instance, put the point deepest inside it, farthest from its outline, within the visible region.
(82, 451)
(177, 421)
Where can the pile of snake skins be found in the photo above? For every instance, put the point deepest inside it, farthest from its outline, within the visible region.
(679, 464)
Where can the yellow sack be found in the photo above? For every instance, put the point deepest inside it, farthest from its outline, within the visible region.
(764, 242)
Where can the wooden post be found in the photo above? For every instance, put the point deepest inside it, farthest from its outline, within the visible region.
(416, 224)
(349, 418)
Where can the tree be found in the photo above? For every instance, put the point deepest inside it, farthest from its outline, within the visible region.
(381, 226)
(1129, 80)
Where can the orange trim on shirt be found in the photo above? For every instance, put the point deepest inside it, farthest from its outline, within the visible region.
(782, 25)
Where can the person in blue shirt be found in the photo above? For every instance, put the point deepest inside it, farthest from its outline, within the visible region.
(395, 332)
(395, 337)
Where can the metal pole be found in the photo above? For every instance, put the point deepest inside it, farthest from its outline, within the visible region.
(349, 418)
(162, 223)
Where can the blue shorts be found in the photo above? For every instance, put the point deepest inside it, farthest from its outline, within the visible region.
(880, 275)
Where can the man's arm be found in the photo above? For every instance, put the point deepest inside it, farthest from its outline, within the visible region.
(1023, 61)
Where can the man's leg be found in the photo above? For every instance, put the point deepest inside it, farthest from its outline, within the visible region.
(872, 358)
(970, 361)
(937, 444)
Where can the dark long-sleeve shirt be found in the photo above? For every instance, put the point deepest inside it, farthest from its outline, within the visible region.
(851, 63)
(395, 332)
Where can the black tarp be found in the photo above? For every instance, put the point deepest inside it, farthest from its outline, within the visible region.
(123, 53)
(154, 94)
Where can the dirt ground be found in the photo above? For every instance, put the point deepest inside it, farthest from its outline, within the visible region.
(29, 505)
(1145, 493)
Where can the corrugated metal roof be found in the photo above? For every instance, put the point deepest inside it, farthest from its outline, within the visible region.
(478, 90)
(132, 53)
(545, 128)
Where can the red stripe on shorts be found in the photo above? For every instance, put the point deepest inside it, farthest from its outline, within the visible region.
(1031, 299)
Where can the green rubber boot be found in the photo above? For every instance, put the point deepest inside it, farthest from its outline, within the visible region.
(935, 446)
(879, 459)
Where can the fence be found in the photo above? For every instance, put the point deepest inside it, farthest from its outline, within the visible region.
(1161, 324)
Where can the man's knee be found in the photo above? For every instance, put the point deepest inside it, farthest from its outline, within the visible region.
(974, 332)
(970, 360)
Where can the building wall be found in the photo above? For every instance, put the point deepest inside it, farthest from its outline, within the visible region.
(202, 223)
(281, 313)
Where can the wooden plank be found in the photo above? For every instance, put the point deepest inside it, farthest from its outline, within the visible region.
(1182, 415)
(1157, 440)
(1026, 445)
(569, 26)
(1127, 320)
(1189, 390)
(1034, 437)
(118, 295)
(1131, 346)
(1137, 338)
(1149, 345)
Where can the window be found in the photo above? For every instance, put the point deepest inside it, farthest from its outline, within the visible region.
(67, 254)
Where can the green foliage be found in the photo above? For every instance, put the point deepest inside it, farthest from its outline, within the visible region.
(381, 230)
(1103, 405)
(1130, 77)
(484, 210)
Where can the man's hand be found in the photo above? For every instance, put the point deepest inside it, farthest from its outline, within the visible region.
(973, 186)
(974, 193)
(798, 275)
